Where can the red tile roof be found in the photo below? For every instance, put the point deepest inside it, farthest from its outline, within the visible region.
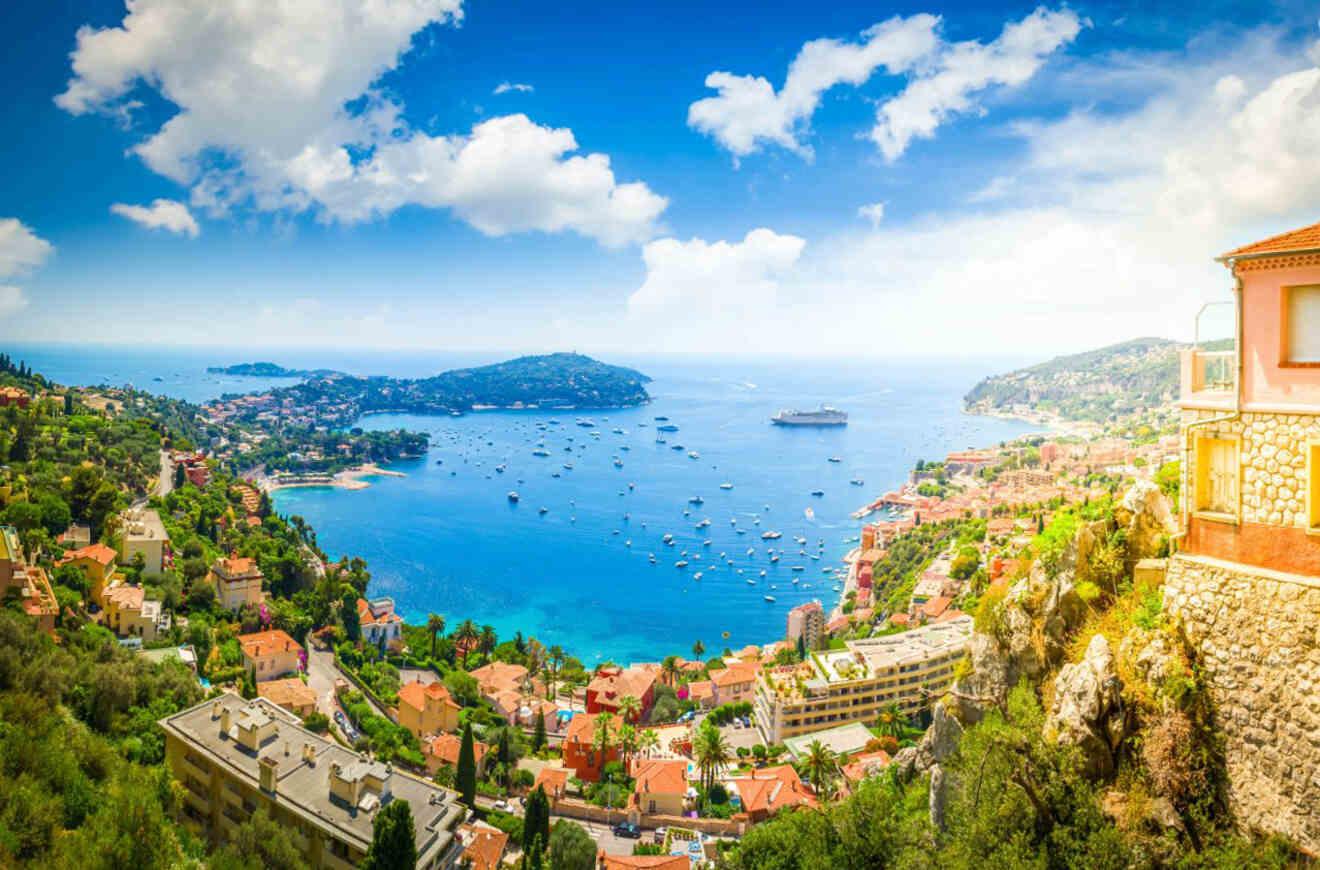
(582, 727)
(264, 643)
(289, 693)
(742, 672)
(644, 862)
(446, 748)
(553, 780)
(1294, 240)
(96, 552)
(485, 846)
(768, 790)
(660, 776)
(414, 694)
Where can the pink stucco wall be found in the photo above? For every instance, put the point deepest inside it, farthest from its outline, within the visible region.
(1265, 382)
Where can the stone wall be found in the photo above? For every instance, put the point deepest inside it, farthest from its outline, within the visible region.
(1258, 636)
(1272, 457)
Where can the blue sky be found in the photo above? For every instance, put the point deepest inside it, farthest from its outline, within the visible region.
(860, 178)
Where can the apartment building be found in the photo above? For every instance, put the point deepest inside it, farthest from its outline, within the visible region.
(853, 684)
(806, 621)
(144, 533)
(237, 582)
(233, 756)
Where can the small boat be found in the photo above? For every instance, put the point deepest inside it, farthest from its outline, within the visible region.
(751, 582)
(499, 469)
(751, 550)
(692, 454)
(617, 431)
(568, 465)
(554, 474)
(543, 511)
(675, 446)
(704, 523)
(652, 558)
(818, 492)
(618, 463)
(774, 558)
(835, 459)
(770, 598)
(513, 496)
(658, 420)
(796, 581)
(659, 441)
(631, 485)
(667, 538)
(539, 452)
(696, 576)
(696, 499)
(771, 536)
(706, 543)
(742, 531)
(726, 486)
(798, 568)
(668, 427)
(762, 572)
(809, 514)
(857, 481)
(681, 563)
(439, 462)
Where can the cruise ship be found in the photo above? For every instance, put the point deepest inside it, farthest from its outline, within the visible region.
(822, 416)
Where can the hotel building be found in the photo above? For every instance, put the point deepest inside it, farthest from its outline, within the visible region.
(855, 683)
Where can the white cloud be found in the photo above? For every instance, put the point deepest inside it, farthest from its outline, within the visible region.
(875, 213)
(12, 300)
(21, 252)
(163, 214)
(1104, 230)
(748, 113)
(505, 87)
(711, 292)
(231, 67)
(963, 69)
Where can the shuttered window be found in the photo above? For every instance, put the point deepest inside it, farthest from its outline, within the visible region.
(1313, 485)
(1302, 313)
(1216, 475)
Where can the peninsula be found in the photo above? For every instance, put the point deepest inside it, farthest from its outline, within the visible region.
(558, 380)
(268, 370)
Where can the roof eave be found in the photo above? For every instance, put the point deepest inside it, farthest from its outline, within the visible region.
(1230, 259)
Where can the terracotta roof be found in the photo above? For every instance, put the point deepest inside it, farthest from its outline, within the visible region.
(446, 747)
(237, 567)
(772, 788)
(628, 682)
(660, 776)
(742, 672)
(288, 693)
(1294, 240)
(484, 845)
(264, 643)
(552, 779)
(935, 606)
(644, 862)
(582, 726)
(698, 689)
(125, 596)
(865, 764)
(414, 694)
(96, 552)
(365, 615)
(499, 677)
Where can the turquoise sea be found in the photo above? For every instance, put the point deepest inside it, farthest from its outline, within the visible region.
(446, 538)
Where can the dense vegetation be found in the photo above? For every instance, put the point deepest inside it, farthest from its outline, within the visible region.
(566, 380)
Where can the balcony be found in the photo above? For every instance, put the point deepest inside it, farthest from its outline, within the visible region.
(1207, 376)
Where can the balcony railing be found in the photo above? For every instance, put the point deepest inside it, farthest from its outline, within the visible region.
(1208, 374)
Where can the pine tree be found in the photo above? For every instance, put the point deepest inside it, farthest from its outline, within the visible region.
(393, 838)
(538, 736)
(466, 776)
(802, 648)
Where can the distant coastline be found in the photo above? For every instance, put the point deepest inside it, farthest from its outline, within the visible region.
(268, 370)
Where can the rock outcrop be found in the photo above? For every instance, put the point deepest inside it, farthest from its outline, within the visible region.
(1144, 514)
(1088, 708)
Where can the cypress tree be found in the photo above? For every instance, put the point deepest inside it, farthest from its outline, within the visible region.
(465, 778)
(536, 821)
(393, 838)
(538, 736)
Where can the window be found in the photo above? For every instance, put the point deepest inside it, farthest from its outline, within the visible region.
(1313, 487)
(1217, 476)
(1301, 323)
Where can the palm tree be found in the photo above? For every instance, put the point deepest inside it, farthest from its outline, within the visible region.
(891, 721)
(628, 739)
(556, 658)
(630, 709)
(712, 752)
(435, 624)
(821, 766)
(669, 670)
(487, 640)
(649, 741)
(600, 739)
(697, 649)
(467, 633)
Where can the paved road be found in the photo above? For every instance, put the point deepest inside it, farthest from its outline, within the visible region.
(321, 675)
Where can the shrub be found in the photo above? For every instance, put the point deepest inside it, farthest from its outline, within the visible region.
(989, 612)
(1088, 591)
(1147, 614)
(317, 722)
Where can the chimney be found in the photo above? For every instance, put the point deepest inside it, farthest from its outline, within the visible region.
(309, 753)
(215, 710)
(224, 719)
(268, 768)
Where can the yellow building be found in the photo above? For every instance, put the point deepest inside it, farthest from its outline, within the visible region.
(130, 614)
(233, 756)
(28, 583)
(236, 582)
(855, 683)
(270, 654)
(659, 786)
(97, 564)
(427, 709)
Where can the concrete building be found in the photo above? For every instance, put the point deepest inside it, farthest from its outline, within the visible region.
(144, 533)
(380, 625)
(234, 756)
(853, 684)
(807, 621)
(237, 582)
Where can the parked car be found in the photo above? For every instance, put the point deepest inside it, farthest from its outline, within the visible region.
(503, 806)
(624, 829)
(737, 723)
(747, 721)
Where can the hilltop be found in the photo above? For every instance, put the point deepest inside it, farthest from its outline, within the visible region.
(557, 380)
(1114, 384)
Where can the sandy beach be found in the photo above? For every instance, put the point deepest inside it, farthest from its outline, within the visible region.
(349, 478)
